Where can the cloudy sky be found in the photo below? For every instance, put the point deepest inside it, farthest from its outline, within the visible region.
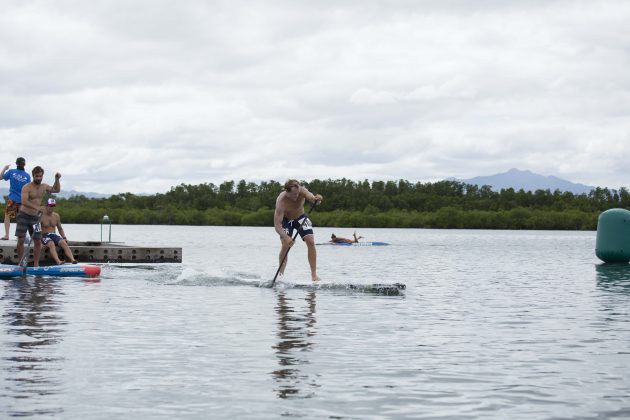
(142, 95)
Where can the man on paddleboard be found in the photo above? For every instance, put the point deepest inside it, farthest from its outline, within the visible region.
(30, 211)
(289, 215)
(51, 223)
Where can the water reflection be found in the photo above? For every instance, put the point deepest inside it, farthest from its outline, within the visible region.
(614, 277)
(29, 363)
(296, 329)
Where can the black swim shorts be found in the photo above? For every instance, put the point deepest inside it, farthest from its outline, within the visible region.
(290, 225)
(27, 222)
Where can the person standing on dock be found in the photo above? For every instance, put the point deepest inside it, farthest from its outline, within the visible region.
(290, 215)
(31, 210)
(51, 223)
(17, 178)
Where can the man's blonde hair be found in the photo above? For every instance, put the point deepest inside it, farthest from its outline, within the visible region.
(291, 183)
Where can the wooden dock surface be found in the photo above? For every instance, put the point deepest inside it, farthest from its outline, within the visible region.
(97, 252)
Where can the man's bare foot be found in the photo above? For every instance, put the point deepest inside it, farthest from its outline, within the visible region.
(5, 238)
(315, 278)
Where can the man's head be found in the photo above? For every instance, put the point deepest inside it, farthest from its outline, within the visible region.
(51, 205)
(38, 174)
(333, 236)
(20, 162)
(292, 187)
(288, 186)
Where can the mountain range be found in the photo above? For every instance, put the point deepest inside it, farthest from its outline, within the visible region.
(528, 181)
(65, 194)
(514, 178)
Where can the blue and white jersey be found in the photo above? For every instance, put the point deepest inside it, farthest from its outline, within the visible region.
(18, 179)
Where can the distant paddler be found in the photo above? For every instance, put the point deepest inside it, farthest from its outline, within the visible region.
(338, 239)
(290, 215)
(31, 210)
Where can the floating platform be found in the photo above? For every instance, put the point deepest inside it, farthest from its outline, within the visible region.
(97, 252)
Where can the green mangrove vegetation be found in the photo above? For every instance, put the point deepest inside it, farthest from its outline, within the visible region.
(347, 203)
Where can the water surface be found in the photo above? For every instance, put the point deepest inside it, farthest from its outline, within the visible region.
(494, 324)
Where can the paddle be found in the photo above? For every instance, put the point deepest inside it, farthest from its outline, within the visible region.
(25, 254)
(27, 248)
(297, 231)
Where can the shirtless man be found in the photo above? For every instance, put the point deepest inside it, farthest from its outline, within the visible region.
(30, 211)
(51, 223)
(288, 216)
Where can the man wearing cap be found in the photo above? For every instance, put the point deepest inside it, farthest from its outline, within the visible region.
(31, 210)
(51, 223)
(18, 178)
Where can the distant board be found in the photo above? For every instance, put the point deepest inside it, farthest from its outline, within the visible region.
(354, 243)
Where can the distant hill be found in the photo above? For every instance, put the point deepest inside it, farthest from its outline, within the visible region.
(529, 181)
(65, 194)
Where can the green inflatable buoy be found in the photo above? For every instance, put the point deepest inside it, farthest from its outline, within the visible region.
(613, 236)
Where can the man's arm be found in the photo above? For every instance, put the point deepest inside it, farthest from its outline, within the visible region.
(3, 171)
(310, 196)
(59, 227)
(277, 223)
(56, 186)
(277, 219)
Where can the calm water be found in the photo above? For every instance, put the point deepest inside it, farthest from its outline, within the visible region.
(494, 324)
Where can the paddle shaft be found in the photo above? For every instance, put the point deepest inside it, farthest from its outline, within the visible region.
(25, 253)
(27, 247)
(297, 231)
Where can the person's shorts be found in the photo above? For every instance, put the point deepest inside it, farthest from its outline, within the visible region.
(12, 209)
(26, 222)
(305, 229)
(47, 237)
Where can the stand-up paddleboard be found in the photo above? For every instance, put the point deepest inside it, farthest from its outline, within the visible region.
(355, 243)
(381, 289)
(7, 271)
(393, 289)
(66, 270)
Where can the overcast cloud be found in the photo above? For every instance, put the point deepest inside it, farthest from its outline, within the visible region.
(140, 96)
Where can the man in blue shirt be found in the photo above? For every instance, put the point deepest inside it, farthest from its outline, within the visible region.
(18, 178)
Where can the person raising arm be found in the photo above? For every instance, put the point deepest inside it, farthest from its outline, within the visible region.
(31, 210)
(17, 178)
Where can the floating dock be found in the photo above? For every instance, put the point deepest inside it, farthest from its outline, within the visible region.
(97, 252)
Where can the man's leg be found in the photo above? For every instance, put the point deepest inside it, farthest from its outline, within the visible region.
(20, 248)
(53, 252)
(37, 250)
(66, 250)
(283, 252)
(312, 256)
(7, 226)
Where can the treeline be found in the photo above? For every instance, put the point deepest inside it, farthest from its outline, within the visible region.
(443, 204)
